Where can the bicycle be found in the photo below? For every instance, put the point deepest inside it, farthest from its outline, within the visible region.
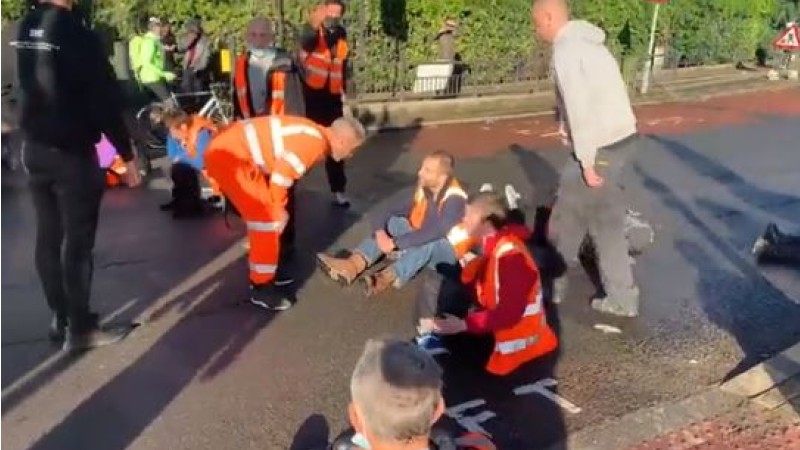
(152, 137)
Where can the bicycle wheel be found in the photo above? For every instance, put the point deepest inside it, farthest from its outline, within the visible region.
(151, 138)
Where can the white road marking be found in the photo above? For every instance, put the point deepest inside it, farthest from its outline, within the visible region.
(541, 388)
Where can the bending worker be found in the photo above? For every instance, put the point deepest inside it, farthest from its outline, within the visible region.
(268, 82)
(497, 307)
(423, 226)
(255, 162)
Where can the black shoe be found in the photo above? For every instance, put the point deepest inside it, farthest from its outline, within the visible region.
(267, 297)
(93, 338)
(169, 206)
(340, 201)
(58, 329)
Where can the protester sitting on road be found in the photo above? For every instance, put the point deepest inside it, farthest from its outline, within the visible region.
(396, 394)
(186, 147)
(255, 162)
(499, 299)
(775, 246)
(422, 226)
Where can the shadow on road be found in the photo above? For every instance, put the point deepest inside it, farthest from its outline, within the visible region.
(734, 295)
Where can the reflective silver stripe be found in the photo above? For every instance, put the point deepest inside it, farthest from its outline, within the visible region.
(317, 70)
(277, 94)
(291, 130)
(264, 269)
(263, 226)
(253, 144)
(515, 345)
(319, 55)
(295, 162)
(281, 180)
(454, 191)
(533, 308)
(277, 137)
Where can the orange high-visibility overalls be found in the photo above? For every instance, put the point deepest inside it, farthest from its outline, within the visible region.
(255, 162)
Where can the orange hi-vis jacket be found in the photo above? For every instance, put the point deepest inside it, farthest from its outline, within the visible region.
(283, 148)
(326, 66)
(531, 337)
(457, 236)
(277, 85)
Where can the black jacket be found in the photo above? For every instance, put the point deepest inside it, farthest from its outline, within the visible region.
(68, 90)
(294, 102)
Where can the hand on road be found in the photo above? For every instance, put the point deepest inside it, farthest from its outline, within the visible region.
(385, 242)
(449, 325)
(591, 177)
(132, 177)
(318, 16)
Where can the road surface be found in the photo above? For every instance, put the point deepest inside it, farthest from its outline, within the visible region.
(206, 371)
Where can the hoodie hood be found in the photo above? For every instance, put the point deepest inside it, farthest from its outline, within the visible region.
(584, 31)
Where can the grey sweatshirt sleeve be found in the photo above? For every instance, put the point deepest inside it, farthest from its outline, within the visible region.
(576, 100)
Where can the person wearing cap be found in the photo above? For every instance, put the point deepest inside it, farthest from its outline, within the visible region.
(196, 51)
(152, 72)
(396, 398)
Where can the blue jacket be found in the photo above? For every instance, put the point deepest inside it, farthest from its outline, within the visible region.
(435, 226)
(176, 152)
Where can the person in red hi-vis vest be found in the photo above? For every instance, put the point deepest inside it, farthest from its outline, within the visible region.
(499, 299)
(255, 163)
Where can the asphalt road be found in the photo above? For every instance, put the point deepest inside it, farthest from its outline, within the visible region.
(205, 371)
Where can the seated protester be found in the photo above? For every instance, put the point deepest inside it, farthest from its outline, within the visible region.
(499, 298)
(186, 146)
(423, 227)
(396, 394)
(775, 246)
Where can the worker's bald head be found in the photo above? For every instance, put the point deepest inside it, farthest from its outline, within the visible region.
(260, 33)
(549, 16)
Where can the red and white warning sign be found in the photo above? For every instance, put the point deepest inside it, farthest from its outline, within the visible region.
(789, 39)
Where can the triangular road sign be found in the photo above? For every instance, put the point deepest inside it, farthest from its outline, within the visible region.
(789, 39)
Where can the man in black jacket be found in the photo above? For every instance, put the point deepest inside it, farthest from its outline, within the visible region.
(68, 97)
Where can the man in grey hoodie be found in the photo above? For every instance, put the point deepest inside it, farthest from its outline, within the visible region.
(595, 115)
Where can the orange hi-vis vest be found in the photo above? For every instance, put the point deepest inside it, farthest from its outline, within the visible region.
(283, 147)
(531, 337)
(115, 172)
(326, 66)
(276, 84)
(457, 236)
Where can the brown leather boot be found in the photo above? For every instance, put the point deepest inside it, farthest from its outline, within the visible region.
(376, 283)
(342, 270)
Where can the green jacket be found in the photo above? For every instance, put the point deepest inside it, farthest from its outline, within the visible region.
(152, 60)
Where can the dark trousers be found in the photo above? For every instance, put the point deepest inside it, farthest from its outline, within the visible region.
(185, 185)
(599, 213)
(192, 81)
(439, 295)
(324, 108)
(159, 91)
(66, 188)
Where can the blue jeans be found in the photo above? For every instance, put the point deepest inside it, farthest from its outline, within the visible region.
(437, 255)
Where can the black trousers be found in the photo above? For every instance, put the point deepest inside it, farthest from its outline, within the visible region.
(158, 91)
(439, 295)
(324, 108)
(185, 185)
(66, 188)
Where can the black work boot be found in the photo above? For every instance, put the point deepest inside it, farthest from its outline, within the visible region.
(94, 337)
(58, 329)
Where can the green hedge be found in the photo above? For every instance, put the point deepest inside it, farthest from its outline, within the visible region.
(391, 36)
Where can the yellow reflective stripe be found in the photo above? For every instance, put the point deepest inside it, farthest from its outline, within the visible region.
(281, 180)
(295, 162)
(277, 94)
(264, 269)
(263, 226)
(253, 144)
(277, 138)
(515, 345)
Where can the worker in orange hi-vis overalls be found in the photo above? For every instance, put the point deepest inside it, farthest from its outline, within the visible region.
(255, 162)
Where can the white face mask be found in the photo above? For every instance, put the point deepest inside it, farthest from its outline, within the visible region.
(262, 53)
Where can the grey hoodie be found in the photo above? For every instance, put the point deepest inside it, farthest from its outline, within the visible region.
(593, 98)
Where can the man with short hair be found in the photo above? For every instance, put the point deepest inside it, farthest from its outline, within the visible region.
(602, 127)
(498, 304)
(152, 66)
(423, 226)
(69, 98)
(196, 50)
(255, 163)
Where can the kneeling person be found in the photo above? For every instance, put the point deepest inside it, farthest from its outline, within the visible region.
(423, 226)
(499, 296)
